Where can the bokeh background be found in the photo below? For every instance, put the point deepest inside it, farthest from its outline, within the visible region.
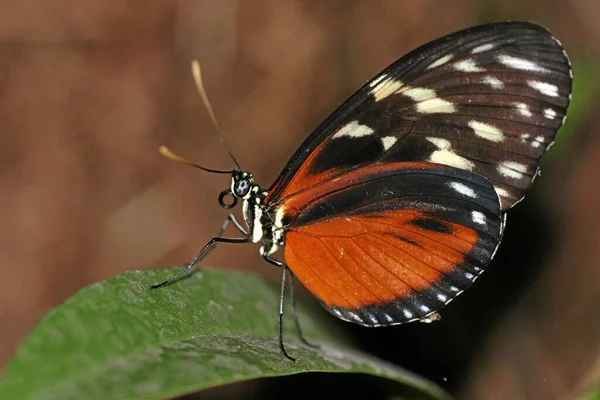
(89, 89)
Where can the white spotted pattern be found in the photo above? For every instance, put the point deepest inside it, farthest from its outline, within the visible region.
(373, 319)
(468, 65)
(544, 88)
(354, 130)
(512, 169)
(520, 63)
(385, 88)
(483, 47)
(436, 106)
(419, 94)
(537, 142)
(388, 142)
(407, 313)
(440, 61)
(501, 191)
(523, 109)
(478, 217)
(549, 113)
(463, 189)
(493, 82)
(427, 100)
(486, 131)
(354, 316)
(446, 156)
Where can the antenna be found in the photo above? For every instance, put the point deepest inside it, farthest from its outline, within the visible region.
(198, 79)
(174, 157)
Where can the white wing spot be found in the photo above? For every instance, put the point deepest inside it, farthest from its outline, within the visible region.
(407, 313)
(463, 189)
(501, 191)
(493, 82)
(537, 142)
(373, 319)
(524, 137)
(419, 94)
(520, 63)
(512, 169)
(388, 142)
(441, 297)
(388, 318)
(446, 156)
(354, 316)
(454, 289)
(424, 308)
(549, 113)
(439, 142)
(523, 109)
(440, 61)
(486, 131)
(385, 88)
(436, 106)
(468, 65)
(427, 100)
(478, 217)
(544, 88)
(483, 47)
(354, 130)
(469, 275)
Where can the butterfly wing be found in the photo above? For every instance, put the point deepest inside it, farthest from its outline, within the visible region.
(391, 243)
(488, 99)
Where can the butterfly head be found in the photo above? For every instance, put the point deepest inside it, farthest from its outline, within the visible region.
(242, 187)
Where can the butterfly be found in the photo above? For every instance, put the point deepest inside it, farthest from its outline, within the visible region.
(397, 202)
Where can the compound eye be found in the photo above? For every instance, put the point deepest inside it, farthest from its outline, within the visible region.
(241, 187)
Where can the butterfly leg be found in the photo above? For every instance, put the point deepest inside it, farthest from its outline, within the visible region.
(281, 300)
(284, 269)
(207, 248)
(295, 315)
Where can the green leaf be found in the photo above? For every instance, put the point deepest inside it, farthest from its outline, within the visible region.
(592, 395)
(117, 339)
(585, 88)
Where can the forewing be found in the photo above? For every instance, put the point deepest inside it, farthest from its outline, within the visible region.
(489, 99)
(392, 243)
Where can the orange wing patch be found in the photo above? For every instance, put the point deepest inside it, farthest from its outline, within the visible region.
(355, 262)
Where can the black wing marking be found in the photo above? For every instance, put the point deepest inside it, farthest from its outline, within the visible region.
(488, 99)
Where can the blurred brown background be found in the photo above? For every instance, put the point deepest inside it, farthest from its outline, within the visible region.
(89, 89)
